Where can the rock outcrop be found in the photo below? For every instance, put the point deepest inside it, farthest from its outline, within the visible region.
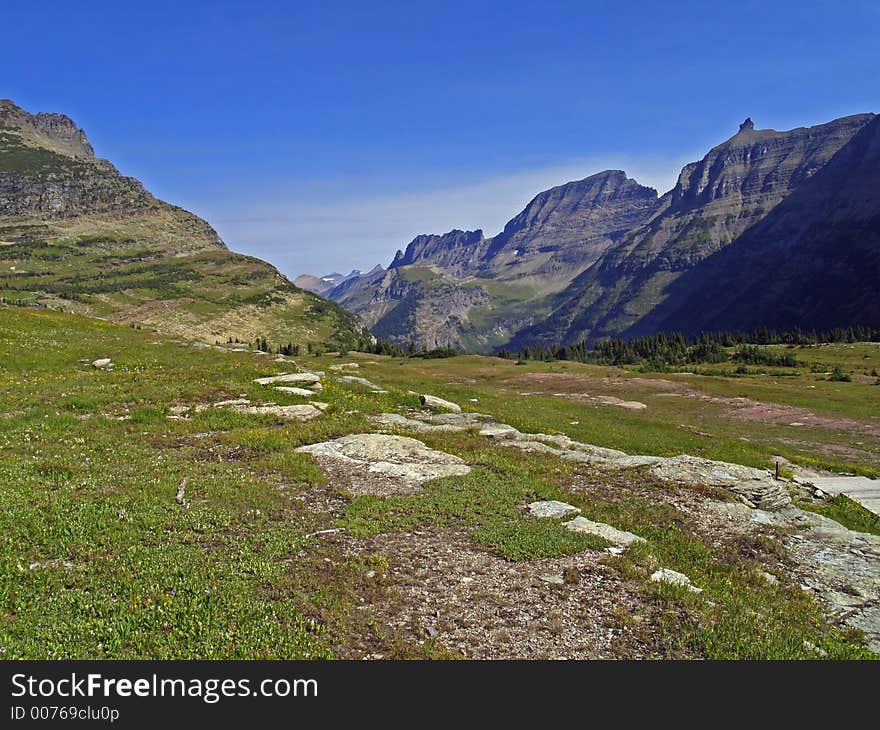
(379, 464)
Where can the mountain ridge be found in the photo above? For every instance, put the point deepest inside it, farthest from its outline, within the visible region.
(596, 257)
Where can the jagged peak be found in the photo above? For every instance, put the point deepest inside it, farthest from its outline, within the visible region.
(431, 242)
(54, 131)
(747, 125)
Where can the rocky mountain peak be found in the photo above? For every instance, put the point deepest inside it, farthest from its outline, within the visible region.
(448, 250)
(761, 165)
(57, 132)
(578, 198)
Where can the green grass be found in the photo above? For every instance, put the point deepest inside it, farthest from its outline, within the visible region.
(97, 560)
(847, 512)
(488, 501)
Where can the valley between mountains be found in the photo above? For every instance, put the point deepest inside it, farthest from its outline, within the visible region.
(200, 459)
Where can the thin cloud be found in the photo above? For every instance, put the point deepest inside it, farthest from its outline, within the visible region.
(358, 233)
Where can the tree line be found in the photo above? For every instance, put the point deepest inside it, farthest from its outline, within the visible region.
(665, 349)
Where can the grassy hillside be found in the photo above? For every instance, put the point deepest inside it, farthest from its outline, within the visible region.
(75, 234)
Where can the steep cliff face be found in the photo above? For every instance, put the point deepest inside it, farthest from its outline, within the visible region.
(569, 227)
(464, 289)
(77, 234)
(813, 261)
(737, 184)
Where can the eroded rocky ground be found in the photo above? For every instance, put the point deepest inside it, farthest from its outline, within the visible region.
(443, 590)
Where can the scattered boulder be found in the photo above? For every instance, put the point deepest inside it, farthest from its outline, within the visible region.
(344, 366)
(552, 508)
(103, 363)
(665, 575)
(320, 405)
(606, 532)
(301, 378)
(385, 464)
(438, 404)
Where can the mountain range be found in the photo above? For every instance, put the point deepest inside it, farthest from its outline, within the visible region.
(770, 228)
(78, 235)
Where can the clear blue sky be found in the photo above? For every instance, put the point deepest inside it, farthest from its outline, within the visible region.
(325, 135)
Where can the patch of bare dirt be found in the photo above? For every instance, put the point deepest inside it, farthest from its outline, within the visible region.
(444, 587)
(783, 414)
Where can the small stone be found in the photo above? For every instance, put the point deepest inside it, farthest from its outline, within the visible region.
(556, 580)
(101, 363)
(434, 403)
(673, 577)
(552, 508)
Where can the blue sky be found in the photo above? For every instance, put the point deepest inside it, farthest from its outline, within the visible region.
(324, 136)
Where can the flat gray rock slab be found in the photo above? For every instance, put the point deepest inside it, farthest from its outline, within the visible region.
(555, 580)
(552, 508)
(303, 412)
(859, 489)
(301, 378)
(385, 464)
(389, 421)
(293, 390)
(499, 431)
(603, 530)
(666, 575)
(458, 419)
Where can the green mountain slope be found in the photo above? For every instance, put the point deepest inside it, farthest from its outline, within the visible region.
(78, 235)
